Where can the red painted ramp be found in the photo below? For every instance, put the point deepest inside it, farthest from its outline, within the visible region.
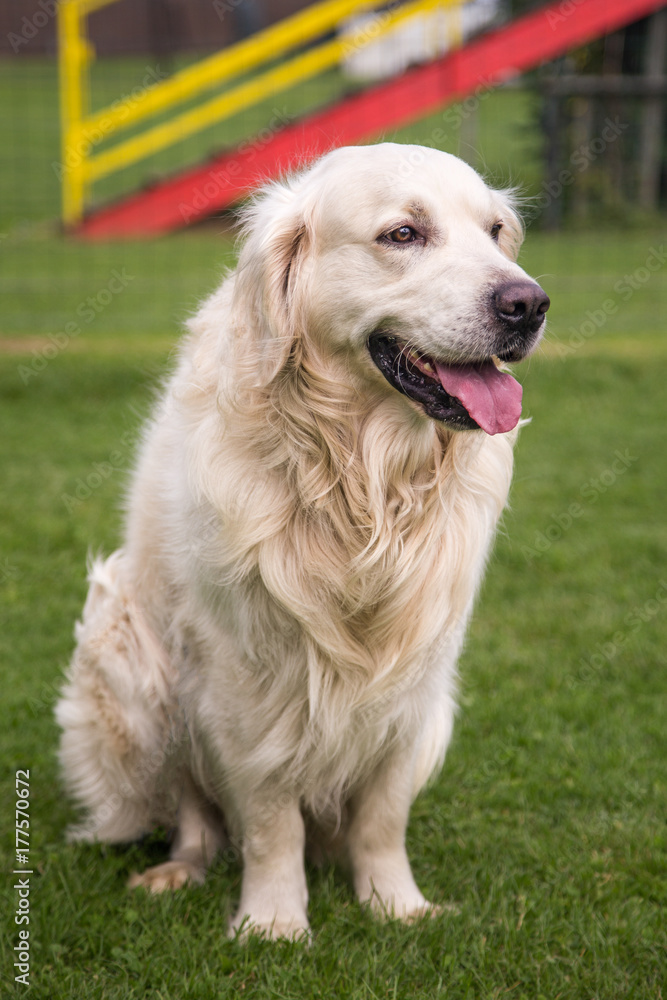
(518, 46)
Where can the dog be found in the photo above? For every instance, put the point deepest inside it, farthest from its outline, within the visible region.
(270, 658)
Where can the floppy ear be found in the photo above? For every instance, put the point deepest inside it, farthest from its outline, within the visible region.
(266, 300)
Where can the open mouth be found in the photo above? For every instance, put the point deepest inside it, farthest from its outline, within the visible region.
(466, 396)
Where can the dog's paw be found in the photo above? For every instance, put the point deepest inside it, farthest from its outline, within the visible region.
(424, 912)
(168, 876)
(410, 909)
(289, 928)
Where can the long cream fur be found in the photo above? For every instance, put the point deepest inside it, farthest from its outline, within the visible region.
(277, 637)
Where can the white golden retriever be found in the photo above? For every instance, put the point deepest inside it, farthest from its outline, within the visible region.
(273, 649)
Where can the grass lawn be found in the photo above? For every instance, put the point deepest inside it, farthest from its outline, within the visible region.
(546, 827)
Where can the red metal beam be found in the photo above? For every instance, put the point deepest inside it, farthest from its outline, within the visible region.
(518, 46)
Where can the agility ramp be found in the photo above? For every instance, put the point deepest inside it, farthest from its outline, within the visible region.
(202, 191)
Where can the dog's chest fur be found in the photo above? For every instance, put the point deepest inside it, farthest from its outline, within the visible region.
(337, 553)
(364, 563)
(342, 592)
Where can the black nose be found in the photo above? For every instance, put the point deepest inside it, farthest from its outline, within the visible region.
(521, 305)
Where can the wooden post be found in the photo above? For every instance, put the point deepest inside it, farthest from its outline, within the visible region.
(652, 119)
(616, 168)
(581, 127)
(552, 213)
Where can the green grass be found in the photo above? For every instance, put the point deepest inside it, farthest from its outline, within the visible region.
(546, 826)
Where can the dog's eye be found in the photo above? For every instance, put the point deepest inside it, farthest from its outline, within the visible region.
(495, 230)
(404, 234)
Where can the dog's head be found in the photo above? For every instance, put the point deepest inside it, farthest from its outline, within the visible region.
(401, 260)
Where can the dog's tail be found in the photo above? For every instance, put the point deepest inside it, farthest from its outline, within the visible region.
(115, 711)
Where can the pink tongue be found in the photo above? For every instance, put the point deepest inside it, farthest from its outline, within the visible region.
(491, 397)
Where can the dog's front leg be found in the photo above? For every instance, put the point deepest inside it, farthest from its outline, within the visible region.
(376, 841)
(274, 896)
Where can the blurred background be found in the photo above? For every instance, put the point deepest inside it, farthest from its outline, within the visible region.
(133, 128)
(136, 119)
(130, 130)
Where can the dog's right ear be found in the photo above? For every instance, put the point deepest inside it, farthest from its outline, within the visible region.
(266, 291)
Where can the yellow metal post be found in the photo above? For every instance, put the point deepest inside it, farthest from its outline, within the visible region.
(70, 67)
(74, 56)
